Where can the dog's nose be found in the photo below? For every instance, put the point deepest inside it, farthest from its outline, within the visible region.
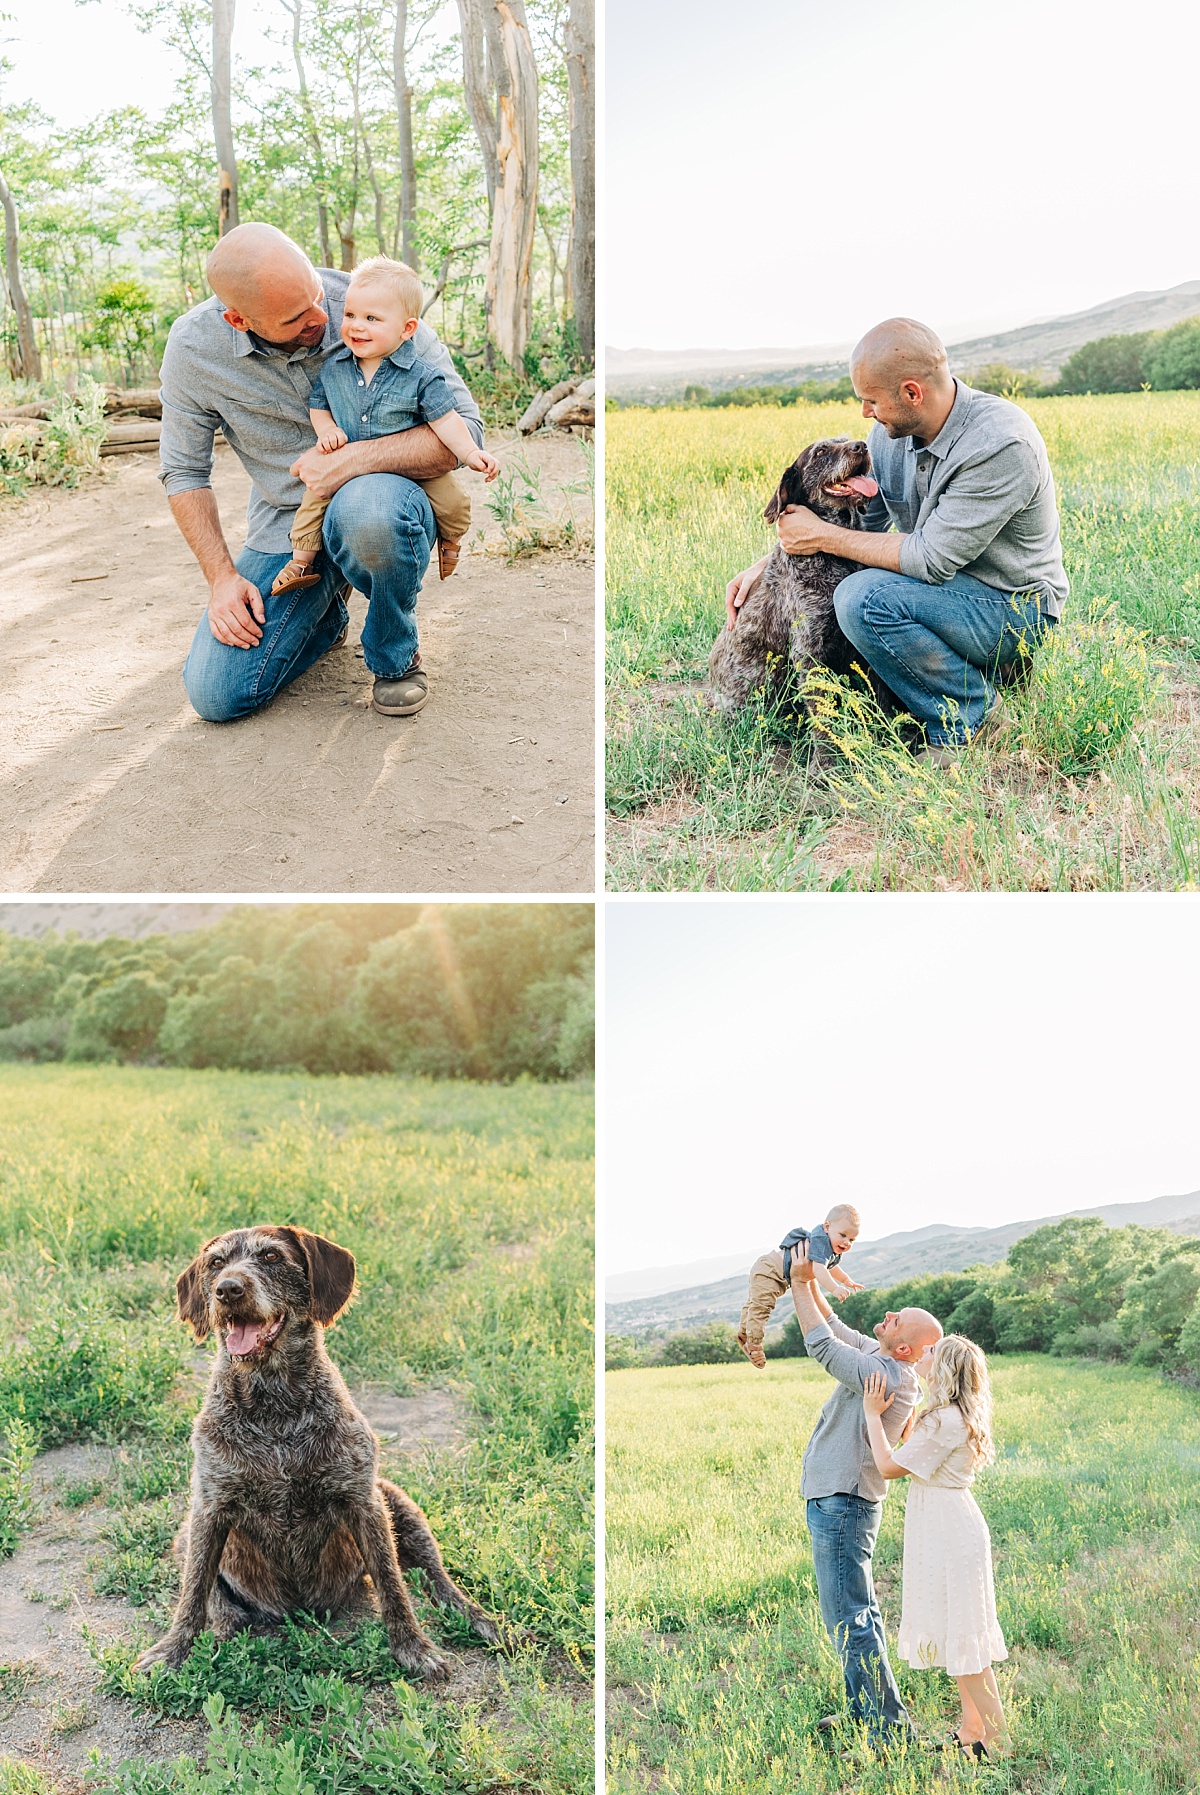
(230, 1288)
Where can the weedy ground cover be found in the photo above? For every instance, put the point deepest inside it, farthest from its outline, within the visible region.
(469, 1209)
(1096, 784)
(718, 1666)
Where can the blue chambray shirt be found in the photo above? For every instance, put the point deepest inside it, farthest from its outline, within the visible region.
(405, 390)
(216, 378)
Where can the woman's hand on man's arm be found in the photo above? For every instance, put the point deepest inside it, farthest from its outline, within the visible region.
(875, 1401)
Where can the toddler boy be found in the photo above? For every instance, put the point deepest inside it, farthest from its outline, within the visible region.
(771, 1275)
(377, 385)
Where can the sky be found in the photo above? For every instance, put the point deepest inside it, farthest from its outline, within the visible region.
(970, 1062)
(787, 173)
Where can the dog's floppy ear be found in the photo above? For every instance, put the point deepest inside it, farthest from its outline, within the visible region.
(189, 1294)
(790, 490)
(330, 1274)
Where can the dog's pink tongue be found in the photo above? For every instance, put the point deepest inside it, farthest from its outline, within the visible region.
(242, 1339)
(863, 484)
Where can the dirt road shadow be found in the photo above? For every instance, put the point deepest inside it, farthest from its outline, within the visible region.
(109, 782)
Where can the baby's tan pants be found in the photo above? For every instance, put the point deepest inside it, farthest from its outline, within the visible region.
(448, 497)
(766, 1287)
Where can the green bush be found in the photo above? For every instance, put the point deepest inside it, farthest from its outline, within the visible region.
(82, 1374)
(1108, 365)
(16, 1490)
(119, 1021)
(713, 1344)
(1092, 681)
(1174, 362)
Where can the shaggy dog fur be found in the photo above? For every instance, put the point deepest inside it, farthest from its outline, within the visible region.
(288, 1509)
(787, 620)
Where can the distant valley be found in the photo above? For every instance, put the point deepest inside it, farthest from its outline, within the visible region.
(652, 375)
(878, 1263)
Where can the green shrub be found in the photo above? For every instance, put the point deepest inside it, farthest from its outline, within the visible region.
(81, 1374)
(1174, 362)
(713, 1344)
(1092, 681)
(1115, 364)
(16, 1489)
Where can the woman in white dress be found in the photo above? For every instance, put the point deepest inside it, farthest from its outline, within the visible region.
(948, 1611)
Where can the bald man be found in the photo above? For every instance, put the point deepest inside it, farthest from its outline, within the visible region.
(844, 1491)
(965, 575)
(245, 362)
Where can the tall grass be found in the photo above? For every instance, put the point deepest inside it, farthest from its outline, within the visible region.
(469, 1210)
(1096, 785)
(718, 1666)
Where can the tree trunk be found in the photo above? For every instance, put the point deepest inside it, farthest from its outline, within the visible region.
(26, 364)
(408, 162)
(477, 89)
(581, 87)
(508, 295)
(227, 181)
(314, 138)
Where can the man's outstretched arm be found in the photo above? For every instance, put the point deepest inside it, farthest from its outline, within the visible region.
(849, 1364)
(415, 453)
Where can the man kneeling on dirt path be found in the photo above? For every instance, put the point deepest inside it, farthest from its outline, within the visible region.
(973, 576)
(245, 362)
(844, 1492)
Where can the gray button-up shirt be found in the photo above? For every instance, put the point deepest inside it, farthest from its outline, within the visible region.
(838, 1458)
(215, 377)
(979, 499)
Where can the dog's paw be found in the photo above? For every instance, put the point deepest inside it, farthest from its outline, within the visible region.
(170, 1650)
(422, 1659)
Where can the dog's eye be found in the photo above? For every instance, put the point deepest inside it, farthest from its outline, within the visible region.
(216, 1264)
(272, 1257)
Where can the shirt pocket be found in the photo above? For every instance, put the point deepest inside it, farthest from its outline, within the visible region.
(267, 421)
(394, 411)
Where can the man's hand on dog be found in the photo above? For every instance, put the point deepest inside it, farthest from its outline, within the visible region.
(801, 531)
(235, 611)
(738, 590)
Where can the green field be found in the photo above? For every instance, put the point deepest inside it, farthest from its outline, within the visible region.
(469, 1209)
(717, 1663)
(1096, 786)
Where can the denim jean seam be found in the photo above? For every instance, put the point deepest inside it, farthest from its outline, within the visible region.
(256, 688)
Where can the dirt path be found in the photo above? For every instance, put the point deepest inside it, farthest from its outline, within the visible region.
(50, 1712)
(110, 782)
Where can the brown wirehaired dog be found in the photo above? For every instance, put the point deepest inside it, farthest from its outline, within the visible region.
(288, 1509)
(787, 620)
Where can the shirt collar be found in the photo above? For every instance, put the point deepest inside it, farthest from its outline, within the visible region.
(246, 343)
(404, 357)
(952, 429)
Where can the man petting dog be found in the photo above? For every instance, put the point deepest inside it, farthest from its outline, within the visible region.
(844, 1491)
(971, 576)
(245, 362)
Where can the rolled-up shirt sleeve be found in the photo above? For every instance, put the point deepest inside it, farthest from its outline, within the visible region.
(849, 1364)
(975, 506)
(185, 449)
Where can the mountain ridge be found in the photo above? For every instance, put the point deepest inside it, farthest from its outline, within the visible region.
(1041, 346)
(878, 1263)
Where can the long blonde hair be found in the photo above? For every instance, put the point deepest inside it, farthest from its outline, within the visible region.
(958, 1378)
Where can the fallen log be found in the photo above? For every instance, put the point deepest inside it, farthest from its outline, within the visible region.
(125, 439)
(536, 415)
(140, 401)
(572, 410)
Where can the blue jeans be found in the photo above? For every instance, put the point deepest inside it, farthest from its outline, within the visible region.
(844, 1530)
(936, 646)
(379, 531)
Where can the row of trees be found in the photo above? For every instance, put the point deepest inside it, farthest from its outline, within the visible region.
(468, 154)
(486, 991)
(1075, 1286)
(1160, 361)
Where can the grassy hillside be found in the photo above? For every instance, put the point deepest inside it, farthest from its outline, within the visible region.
(1096, 785)
(469, 1209)
(717, 1661)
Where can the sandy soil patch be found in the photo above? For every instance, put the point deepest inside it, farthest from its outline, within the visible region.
(110, 782)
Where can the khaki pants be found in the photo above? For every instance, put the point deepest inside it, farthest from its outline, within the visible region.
(451, 512)
(766, 1287)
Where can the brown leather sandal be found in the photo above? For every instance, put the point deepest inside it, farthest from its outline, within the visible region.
(447, 556)
(295, 575)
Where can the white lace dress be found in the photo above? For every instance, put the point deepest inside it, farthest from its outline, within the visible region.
(948, 1612)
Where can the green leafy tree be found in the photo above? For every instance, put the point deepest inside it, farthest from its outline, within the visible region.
(1174, 362)
(1117, 364)
(1158, 1301)
(122, 322)
(119, 1021)
(713, 1344)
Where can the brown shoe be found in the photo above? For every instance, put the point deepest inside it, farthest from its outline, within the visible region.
(401, 697)
(295, 575)
(447, 556)
(755, 1354)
